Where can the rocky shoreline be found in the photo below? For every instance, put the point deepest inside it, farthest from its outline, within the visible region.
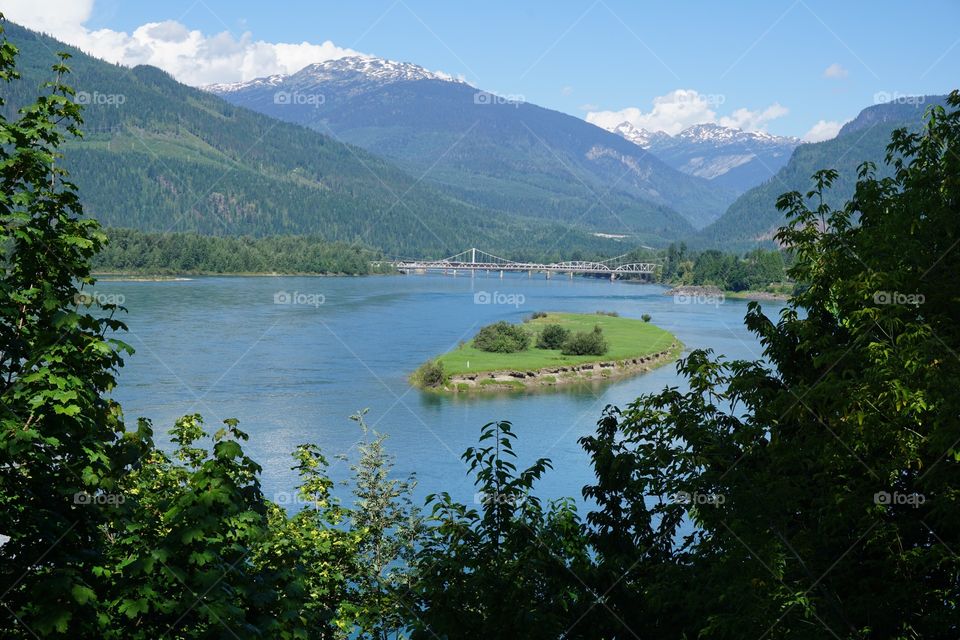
(508, 380)
(694, 290)
(713, 294)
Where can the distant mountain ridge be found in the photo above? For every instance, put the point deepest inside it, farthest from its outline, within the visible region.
(753, 218)
(728, 156)
(351, 69)
(899, 110)
(158, 155)
(492, 151)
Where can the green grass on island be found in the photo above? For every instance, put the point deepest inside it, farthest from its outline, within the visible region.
(626, 338)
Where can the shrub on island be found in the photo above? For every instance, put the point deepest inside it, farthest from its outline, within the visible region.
(502, 337)
(552, 337)
(431, 374)
(586, 343)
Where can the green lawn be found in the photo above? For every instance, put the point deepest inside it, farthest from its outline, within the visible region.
(627, 338)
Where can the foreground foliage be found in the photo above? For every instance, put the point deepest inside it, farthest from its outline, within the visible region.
(810, 494)
(822, 483)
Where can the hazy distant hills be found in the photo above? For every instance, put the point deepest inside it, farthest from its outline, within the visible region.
(728, 157)
(753, 218)
(492, 151)
(158, 155)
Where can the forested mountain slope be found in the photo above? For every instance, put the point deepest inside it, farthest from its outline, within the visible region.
(753, 218)
(158, 155)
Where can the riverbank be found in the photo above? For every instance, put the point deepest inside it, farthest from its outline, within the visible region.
(114, 276)
(634, 347)
(711, 294)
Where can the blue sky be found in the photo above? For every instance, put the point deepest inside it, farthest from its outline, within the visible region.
(769, 59)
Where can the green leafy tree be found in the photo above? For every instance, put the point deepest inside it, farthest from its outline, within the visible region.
(502, 337)
(388, 528)
(316, 553)
(552, 336)
(813, 493)
(62, 448)
(507, 569)
(586, 343)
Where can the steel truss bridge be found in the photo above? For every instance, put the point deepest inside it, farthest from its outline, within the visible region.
(473, 260)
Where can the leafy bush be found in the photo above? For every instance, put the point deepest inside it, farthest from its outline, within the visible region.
(586, 343)
(552, 337)
(645, 317)
(612, 314)
(431, 374)
(502, 337)
(538, 314)
(509, 552)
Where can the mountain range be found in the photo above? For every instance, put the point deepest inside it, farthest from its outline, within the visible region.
(727, 156)
(393, 156)
(158, 155)
(493, 151)
(753, 218)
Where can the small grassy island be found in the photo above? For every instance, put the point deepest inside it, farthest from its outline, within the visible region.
(550, 349)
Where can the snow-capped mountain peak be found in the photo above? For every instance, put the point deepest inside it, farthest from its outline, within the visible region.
(712, 133)
(348, 70)
(640, 137)
(376, 69)
(738, 158)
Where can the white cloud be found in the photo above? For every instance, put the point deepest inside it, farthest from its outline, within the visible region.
(189, 55)
(823, 130)
(754, 120)
(835, 71)
(566, 91)
(682, 108)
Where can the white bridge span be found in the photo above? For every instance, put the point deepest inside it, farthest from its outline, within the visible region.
(473, 260)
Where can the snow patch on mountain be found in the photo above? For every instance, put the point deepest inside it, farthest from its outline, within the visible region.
(351, 69)
(710, 150)
(640, 137)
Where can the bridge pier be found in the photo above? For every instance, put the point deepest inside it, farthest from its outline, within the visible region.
(548, 275)
(501, 274)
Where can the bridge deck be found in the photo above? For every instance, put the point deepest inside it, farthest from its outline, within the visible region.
(524, 266)
(468, 261)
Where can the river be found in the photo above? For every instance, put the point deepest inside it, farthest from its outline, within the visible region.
(293, 357)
